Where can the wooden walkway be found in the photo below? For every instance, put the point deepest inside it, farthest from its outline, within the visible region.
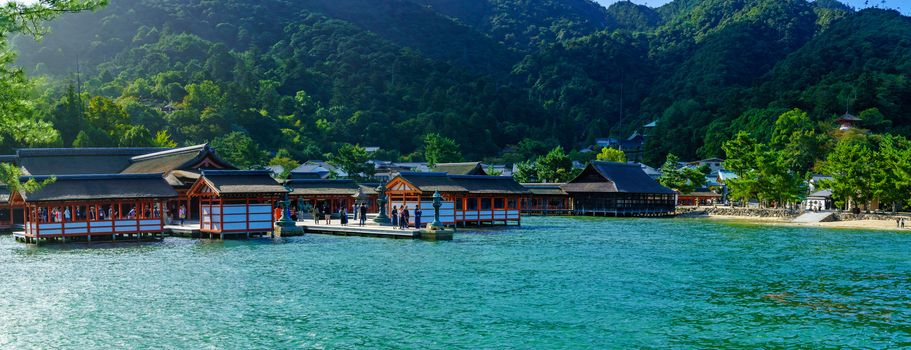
(191, 229)
(366, 231)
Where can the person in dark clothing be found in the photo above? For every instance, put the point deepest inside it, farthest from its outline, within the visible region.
(328, 214)
(403, 221)
(417, 217)
(395, 217)
(363, 216)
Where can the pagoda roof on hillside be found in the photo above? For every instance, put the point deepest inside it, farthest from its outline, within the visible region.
(848, 117)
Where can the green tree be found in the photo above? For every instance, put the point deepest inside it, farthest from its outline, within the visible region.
(19, 125)
(796, 134)
(105, 114)
(874, 120)
(239, 149)
(741, 160)
(136, 136)
(353, 159)
(163, 139)
(555, 166)
(852, 166)
(895, 179)
(683, 179)
(283, 159)
(609, 154)
(440, 149)
(789, 123)
(11, 177)
(91, 136)
(67, 115)
(525, 172)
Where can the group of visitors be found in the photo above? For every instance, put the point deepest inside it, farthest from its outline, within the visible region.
(360, 214)
(179, 214)
(401, 218)
(65, 214)
(324, 214)
(900, 222)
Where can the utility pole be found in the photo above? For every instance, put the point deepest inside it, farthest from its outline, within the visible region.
(620, 126)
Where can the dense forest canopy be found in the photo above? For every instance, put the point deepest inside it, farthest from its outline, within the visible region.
(504, 79)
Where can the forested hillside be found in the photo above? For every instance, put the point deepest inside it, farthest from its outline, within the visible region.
(503, 78)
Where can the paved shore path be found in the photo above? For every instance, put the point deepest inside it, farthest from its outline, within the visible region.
(813, 217)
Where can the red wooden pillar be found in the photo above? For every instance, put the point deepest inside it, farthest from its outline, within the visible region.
(221, 216)
(161, 215)
(137, 216)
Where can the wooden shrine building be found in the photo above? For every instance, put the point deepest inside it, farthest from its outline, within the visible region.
(322, 193)
(619, 189)
(236, 201)
(6, 209)
(108, 207)
(546, 199)
(181, 168)
(489, 199)
(467, 199)
(698, 198)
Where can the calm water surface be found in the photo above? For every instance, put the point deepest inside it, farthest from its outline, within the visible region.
(554, 283)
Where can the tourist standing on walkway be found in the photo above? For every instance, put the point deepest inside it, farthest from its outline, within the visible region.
(403, 221)
(182, 214)
(101, 215)
(395, 217)
(314, 211)
(417, 217)
(328, 214)
(363, 214)
(67, 215)
(343, 216)
(131, 214)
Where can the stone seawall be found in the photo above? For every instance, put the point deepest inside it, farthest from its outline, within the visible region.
(844, 216)
(753, 212)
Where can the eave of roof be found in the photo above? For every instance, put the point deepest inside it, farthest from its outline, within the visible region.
(100, 187)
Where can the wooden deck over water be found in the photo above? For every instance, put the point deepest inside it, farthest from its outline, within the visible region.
(192, 230)
(367, 231)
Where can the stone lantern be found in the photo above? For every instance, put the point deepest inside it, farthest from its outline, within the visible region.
(437, 203)
(382, 218)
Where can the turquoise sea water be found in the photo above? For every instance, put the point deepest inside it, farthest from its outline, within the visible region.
(554, 283)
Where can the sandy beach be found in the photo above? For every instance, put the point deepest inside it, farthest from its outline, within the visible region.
(884, 225)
